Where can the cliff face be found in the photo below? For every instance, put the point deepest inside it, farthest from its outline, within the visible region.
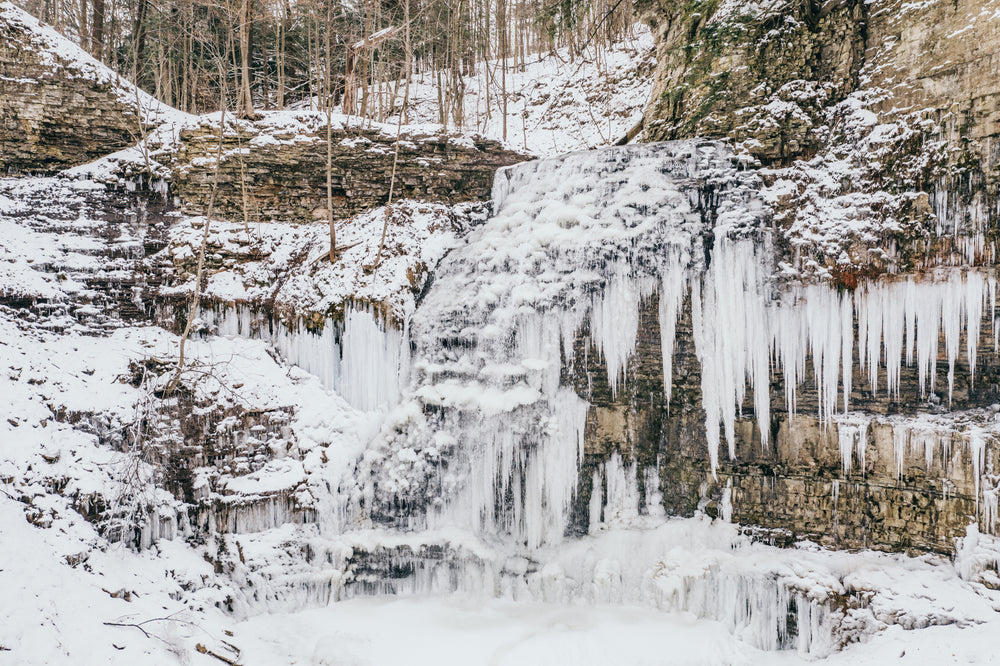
(899, 472)
(281, 160)
(888, 109)
(872, 128)
(58, 106)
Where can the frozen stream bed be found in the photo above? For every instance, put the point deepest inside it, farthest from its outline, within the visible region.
(446, 631)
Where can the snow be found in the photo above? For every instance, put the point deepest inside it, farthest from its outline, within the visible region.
(435, 435)
(639, 587)
(556, 104)
(287, 264)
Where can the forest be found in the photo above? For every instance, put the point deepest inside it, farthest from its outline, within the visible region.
(358, 58)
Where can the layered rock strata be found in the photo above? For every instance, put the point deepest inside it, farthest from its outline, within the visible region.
(58, 106)
(276, 169)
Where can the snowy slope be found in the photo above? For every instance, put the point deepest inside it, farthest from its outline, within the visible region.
(61, 55)
(554, 104)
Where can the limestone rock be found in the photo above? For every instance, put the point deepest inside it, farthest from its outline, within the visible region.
(275, 167)
(58, 106)
(877, 122)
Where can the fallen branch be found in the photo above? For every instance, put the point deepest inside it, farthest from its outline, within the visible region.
(631, 134)
(204, 650)
(340, 248)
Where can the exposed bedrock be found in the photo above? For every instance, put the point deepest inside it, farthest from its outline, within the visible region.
(58, 107)
(877, 123)
(273, 172)
(896, 473)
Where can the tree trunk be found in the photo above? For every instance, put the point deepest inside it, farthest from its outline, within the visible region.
(329, 146)
(246, 97)
(97, 31)
(139, 42)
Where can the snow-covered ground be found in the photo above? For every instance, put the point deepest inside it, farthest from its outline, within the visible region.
(286, 264)
(60, 54)
(555, 104)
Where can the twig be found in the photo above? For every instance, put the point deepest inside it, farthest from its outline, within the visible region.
(131, 624)
(340, 248)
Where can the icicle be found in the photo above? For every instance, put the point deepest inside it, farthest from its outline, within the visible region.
(874, 307)
(900, 444)
(893, 327)
(710, 396)
(671, 300)
(732, 340)
(596, 501)
(974, 295)
(651, 484)
(622, 505)
(910, 309)
(928, 318)
(977, 448)
(951, 318)
(846, 341)
(991, 284)
(614, 322)
(726, 502)
(852, 439)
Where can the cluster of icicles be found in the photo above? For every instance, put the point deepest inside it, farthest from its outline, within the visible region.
(742, 334)
(361, 358)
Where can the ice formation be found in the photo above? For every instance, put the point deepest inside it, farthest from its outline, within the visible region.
(576, 244)
(744, 334)
(361, 358)
(488, 435)
(480, 451)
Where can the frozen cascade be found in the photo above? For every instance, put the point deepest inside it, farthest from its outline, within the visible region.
(487, 443)
(575, 245)
(743, 333)
(481, 455)
(361, 358)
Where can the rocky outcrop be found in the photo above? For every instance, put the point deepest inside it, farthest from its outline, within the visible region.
(878, 121)
(274, 169)
(58, 106)
(874, 128)
(911, 482)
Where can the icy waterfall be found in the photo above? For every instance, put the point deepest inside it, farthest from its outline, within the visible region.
(479, 460)
(491, 435)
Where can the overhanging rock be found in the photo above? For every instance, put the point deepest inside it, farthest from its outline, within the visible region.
(275, 168)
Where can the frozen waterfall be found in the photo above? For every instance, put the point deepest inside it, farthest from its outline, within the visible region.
(476, 477)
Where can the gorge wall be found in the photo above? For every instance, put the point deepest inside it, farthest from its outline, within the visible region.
(58, 107)
(897, 472)
(880, 116)
(275, 168)
(873, 129)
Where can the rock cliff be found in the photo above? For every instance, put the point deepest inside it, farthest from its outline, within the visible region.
(276, 167)
(58, 106)
(872, 127)
(876, 122)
